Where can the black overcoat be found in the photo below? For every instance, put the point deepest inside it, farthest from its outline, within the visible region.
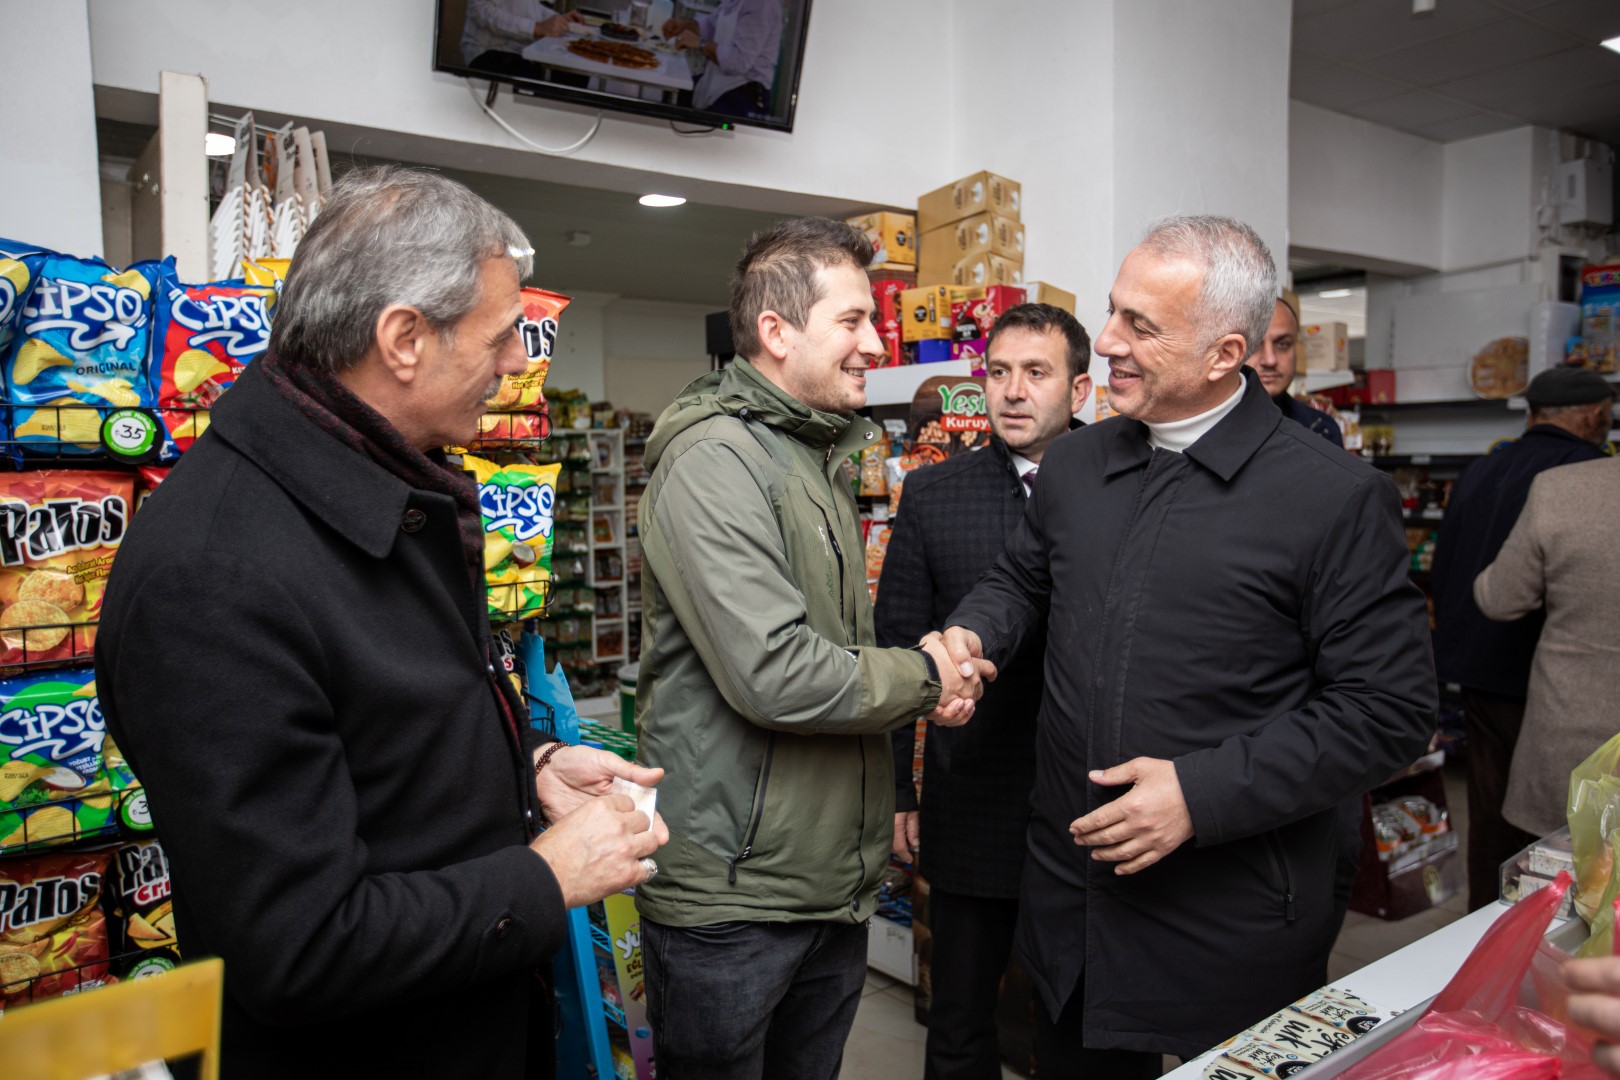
(295, 660)
(953, 520)
(1243, 610)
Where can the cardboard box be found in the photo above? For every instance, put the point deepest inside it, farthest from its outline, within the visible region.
(1325, 346)
(1039, 292)
(983, 191)
(974, 349)
(934, 351)
(982, 234)
(975, 311)
(987, 270)
(1375, 386)
(925, 314)
(893, 237)
(886, 290)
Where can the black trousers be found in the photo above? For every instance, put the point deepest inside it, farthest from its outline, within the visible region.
(1491, 723)
(972, 942)
(1061, 1054)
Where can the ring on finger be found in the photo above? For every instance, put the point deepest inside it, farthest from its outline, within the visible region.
(651, 868)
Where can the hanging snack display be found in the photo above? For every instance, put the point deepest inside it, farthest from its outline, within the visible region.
(518, 409)
(142, 912)
(81, 347)
(59, 530)
(19, 266)
(518, 503)
(53, 935)
(204, 336)
(53, 780)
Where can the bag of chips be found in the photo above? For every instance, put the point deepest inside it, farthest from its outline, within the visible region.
(525, 392)
(147, 479)
(53, 784)
(204, 335)
(266, 272)
(143, 913)
(134, 816)
(53, 935)
(80, 349)
(19, 266)
(518, 504)
(59, 531)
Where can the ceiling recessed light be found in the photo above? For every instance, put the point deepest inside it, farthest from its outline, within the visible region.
(661, 200)
(1333, 294)
(1612, 43)
(217, 145)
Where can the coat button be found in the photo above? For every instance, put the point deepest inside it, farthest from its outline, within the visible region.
(503, 927)
(413, 521)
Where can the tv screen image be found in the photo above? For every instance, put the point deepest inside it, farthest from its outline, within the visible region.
(704, 62)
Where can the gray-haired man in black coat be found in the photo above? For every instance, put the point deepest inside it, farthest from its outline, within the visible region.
(1233, 650)
(953, 521)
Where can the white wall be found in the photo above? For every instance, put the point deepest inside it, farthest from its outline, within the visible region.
(651, 350)
(366, 65)
(1201, 115)
(50, 187)
(1491, 191)
(1361, 189)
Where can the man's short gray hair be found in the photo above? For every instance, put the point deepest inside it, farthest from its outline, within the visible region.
(1239, 291)
(388, 235)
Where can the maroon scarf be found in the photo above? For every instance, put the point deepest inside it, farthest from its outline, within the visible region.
(335, 409)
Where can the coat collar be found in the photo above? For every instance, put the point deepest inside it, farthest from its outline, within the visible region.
(353, 495)
(1223, 450)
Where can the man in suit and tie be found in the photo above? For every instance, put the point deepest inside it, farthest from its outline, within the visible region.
(953, 520)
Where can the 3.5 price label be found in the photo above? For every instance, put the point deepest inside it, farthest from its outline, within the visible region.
(130, 435)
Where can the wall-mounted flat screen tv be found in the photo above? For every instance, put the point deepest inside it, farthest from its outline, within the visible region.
(708, 63)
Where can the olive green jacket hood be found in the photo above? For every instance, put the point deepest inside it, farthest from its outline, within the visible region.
(761, 692)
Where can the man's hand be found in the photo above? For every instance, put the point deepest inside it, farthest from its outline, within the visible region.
(688, 39)
(673, 27)
(556, 26)
(905, 835)
(577, 774)
(1595, 1005)
(1142, 826)
(596, 850)
(962, 674)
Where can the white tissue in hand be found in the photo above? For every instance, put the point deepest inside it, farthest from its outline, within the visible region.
(645, 798)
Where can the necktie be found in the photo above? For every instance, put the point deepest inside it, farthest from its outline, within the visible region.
(1029, 481)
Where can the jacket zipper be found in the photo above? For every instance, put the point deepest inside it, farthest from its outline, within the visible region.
(860, 846)
(1279, 864)
(758, 811)
(838, 556)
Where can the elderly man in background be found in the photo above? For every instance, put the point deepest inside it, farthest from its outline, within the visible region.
(295, 656)
(1233, 650)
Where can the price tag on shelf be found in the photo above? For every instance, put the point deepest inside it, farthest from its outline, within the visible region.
(130, 435)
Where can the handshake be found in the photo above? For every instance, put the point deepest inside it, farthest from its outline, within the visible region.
(959, 657)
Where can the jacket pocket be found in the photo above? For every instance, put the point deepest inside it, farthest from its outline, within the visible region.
(1282, 873)
(757, 812)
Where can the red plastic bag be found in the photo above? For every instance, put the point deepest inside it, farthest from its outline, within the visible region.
(1488, 1022)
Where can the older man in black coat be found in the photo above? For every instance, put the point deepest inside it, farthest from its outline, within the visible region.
(1233, 649)
(953, 521)
(295, 655)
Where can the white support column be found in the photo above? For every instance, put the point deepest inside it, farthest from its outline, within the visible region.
(183, 171)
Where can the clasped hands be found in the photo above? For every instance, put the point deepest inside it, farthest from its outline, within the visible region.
(599, 843)
(958, 656)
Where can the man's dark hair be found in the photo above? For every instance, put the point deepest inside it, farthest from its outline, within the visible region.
(777, 272)
(1040, 318)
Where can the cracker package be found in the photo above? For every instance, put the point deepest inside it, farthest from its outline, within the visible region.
(19, 266)
(59, 531)
(143, 936)
(518, 504)
(53, 781)
(204, 335)
(518, 409)
(80, 350)
(53, 935)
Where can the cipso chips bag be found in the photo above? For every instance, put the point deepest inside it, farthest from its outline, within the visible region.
(204, 336)
(53, 783)
(143, 913)
(81, 348)
(53, 935)
(59, 530)
(518, 409)
(19, 265)
(518, 503)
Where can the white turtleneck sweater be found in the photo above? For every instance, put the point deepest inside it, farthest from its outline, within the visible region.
(1177, 435)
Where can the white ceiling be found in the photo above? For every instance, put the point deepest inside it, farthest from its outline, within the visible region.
(1467, 68)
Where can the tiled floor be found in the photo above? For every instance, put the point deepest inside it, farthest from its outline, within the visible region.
(887, 1043)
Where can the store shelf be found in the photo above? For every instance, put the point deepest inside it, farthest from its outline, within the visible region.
(1491, 405)
(1317, 381)
(1423, 517)
(898, 385)
(1436, 461)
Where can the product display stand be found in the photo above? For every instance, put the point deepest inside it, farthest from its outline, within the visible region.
(607, 537)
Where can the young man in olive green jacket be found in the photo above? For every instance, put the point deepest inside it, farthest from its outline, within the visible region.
(762, 693)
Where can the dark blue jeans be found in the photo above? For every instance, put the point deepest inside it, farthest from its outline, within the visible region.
(746, 1001)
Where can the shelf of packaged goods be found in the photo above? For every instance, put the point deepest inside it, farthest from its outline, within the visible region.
(1468, 404)
(607, 583)
(1433, 461)
(1316, 381)
(1423, 517)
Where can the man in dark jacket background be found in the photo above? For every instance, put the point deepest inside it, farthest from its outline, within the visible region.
(1570, 412)
(1233, 649)
(1276, 361)
(295, 655)
(953, 520)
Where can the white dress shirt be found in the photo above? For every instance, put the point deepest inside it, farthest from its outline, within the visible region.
(502, 25)
(747, 36)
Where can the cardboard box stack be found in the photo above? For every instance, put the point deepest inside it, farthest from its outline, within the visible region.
(1326, 346)
(942, 278)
